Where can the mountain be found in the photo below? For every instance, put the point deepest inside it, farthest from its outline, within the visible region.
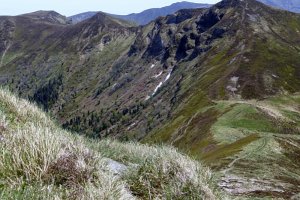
(291, 5)
(81, 17)
(221, 84)
(146, 16)
(42, 161)
(48, 16)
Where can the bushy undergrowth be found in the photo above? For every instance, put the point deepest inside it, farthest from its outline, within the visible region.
(38, 160)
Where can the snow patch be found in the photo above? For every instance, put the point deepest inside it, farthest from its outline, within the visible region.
(157, 87)
(168, 76)
(161, 83)
(152, 66)
(157, 75)
(114, 85)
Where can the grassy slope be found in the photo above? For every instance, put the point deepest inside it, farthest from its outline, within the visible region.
(234, 135)
(41, 161)
(246, 139)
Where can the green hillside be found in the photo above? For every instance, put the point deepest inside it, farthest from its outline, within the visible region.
(244, 140)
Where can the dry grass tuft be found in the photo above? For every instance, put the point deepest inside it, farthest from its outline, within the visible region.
(39, 160)
(68, 170)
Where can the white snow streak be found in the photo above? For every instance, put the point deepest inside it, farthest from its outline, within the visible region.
(168, 76)
(157, 87)
(157, 75)
(161, 83)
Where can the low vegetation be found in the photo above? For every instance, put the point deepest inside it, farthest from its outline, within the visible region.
(39, 160)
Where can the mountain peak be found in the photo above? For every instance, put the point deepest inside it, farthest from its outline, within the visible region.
(47, 16)
(245, 3)
(107, 20)
(233, 3)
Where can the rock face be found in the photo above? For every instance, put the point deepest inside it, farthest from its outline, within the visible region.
(187, 79)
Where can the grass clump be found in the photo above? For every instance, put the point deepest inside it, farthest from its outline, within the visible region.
(165, 180)
(161, 172)
(36, 155)
(39, 160)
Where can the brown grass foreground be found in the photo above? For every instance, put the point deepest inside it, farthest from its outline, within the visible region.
(39, 160)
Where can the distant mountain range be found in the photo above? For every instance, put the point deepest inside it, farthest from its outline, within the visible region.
(290, 5)
(150, 14)
(146, 16)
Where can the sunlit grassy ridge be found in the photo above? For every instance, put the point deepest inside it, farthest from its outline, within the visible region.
(245, 140)
(39, 160)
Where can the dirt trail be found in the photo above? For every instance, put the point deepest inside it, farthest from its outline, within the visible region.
(237, 184)
(270, 110)
(260, 148)
(183, 129)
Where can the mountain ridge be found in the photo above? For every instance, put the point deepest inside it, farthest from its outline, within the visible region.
(145, 16)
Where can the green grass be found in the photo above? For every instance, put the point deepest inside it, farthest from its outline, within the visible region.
(244, 139)
(223, 151)
(245, 117)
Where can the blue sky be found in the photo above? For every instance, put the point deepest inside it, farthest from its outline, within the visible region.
(70, 7)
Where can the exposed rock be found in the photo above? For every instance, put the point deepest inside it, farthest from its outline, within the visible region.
(115, 167)
(208, 20)
(156, 47)
(1, 138)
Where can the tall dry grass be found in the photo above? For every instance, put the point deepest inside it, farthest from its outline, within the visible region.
(39, 160)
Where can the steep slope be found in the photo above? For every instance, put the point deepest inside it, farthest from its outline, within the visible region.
(251, 138)
(291, 5)
(146, 16)
(166, 82)
(41, 161)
